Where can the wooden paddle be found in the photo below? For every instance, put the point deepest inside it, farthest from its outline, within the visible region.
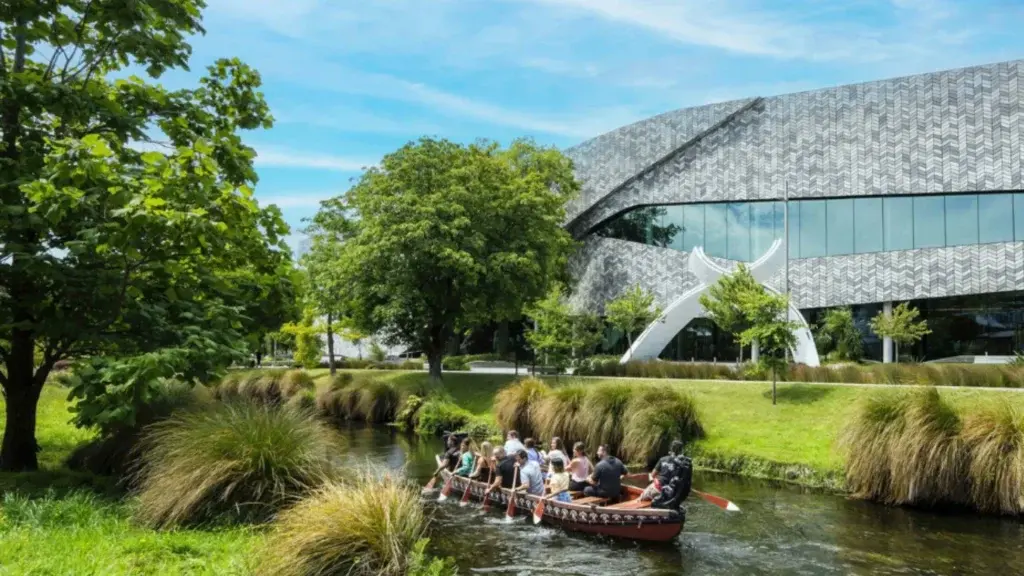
(430, 485)
(487, 493)
(510, 512)
(465, 493)
(538, 511)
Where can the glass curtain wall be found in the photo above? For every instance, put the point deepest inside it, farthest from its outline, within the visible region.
(745, 230)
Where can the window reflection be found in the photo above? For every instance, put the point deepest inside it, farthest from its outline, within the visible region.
(745, 230)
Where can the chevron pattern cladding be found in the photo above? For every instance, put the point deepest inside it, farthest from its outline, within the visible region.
(959, 130)
(605, 268)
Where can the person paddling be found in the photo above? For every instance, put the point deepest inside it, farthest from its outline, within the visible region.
(671, 479)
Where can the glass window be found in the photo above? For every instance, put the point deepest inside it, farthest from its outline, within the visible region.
(812, 228)
(995, 218)
(961, 220)
(762, 228)
(929, 222)
(793, 241)
(780, 219)
(899, 223)
(739, 231)
(693, 226)
(867, 225)
(672, 227)
(839, 226)
(1018, 215)
(715, 230)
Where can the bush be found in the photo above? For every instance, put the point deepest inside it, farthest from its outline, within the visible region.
(454, 364)
(363, 399)
(655, 416)
(112, 452)
(514, 405)
(438, 415)
(602, 413)
(235, 462)
(559, 413)
(369, 526)
(916, 449)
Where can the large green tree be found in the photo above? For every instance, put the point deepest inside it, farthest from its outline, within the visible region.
(106, 249)
(444, 236)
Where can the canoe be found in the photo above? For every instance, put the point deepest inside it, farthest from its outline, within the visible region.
(630, 519)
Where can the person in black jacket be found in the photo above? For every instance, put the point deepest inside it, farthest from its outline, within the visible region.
(671, 479)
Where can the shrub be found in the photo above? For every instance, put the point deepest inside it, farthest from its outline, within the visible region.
(514, 405)
(263, 386)
(303, 400)
(438, 415)
(405, 419)
(363, 399)
(655, 416)
(558, 413)
(367, 526)
(233, 462)
(994, 439)
(454, 364)
(378, 402)
(411, 365)
(111, 453)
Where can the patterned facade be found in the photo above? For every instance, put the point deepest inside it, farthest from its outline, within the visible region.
(940, 133)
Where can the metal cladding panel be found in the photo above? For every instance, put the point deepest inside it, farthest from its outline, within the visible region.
(959, 130)
(605, 268)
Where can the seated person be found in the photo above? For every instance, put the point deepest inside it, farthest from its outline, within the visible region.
(466, 459)
(606, 481)
(579, 467)
(505, 468)
(531, 451)
(531, 479)
(512, 443)
(484, 469)
(558, 484)
(674, 465)
(450, 458)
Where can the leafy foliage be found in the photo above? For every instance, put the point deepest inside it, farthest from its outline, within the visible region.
(562, 335)
(441, 236)
(722, 300)
(838, 335)
(106, 250)
(632, 311)
(902, 325)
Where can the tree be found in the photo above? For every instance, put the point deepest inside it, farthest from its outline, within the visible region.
(838, 333)
(308, 345)
(444, 236)
(106, 249)
(902, 326)
(723, 304)
(632, 312)
(766, 318)
(270, 293)
(561, 335)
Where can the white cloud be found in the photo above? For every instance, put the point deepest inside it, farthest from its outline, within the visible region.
(289, 158)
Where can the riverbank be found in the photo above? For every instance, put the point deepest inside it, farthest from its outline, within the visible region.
(794, 441)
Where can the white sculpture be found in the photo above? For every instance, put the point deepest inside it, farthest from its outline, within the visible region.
(680, 312)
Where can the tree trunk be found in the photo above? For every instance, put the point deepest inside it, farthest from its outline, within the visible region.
(629, 341)
(19, 448)
(896, 347)
(434, 365)
(502, 339)
(330, 344)
(259, 358)
(773, 386)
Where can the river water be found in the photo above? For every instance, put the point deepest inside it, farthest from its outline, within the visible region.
(782, 529)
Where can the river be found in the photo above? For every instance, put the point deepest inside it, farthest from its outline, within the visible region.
(782, 529)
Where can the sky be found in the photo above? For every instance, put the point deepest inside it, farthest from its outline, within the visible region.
(349, 81)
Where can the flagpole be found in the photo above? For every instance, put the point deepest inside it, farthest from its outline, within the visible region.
(785, 220)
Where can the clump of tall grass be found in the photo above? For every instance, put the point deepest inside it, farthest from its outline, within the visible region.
(514, 405)
(367, 526)
(868, 440)
(229, 463)
(263, 386)
(994, 439)
(929, 458)
(365, 399)
(558, 413)
(654, 417)
(602, 414)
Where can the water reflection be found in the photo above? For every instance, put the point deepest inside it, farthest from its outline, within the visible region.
(782, 530)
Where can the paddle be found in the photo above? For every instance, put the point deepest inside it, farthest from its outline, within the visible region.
(487, 493)
(446, 490)
(538, 511)
(510, 512)
(465, 494)
(430, 485)
(716, 500)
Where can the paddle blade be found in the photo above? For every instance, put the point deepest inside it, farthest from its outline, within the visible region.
(538, 512)
(430, 485)
(446, 490)
(487, 501)
(718, 501)
(465, 496)
(510, 512)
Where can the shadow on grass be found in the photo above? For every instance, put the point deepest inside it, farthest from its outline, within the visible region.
(800, 393)
(58, 482)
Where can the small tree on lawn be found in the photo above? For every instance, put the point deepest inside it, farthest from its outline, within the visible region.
(902, 326)
(765, 314)
(551, 336)
(722, 301)
(631, 312)
(308, 344)
(838, 334)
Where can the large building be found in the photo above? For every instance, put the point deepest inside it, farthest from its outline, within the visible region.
(909, 189)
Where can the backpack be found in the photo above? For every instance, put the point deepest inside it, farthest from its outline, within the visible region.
(678, 488)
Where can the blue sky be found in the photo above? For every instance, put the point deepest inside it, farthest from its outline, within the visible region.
(349, 81)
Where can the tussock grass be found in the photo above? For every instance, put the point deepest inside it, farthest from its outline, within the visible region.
(917, 449)
(514, 405)
(655, 416)
(558, 413)
(994, 439)
(263, 386)
(364, 399)
(601, 416)
(362, 527)
(378, 402)
(235, 462)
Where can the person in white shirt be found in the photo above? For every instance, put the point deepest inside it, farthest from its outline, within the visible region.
(512, 443)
